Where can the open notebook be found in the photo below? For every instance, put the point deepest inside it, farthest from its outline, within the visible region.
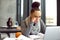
(21, 37)
(31, 37)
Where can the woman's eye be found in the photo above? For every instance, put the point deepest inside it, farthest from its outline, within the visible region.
(35, 16)
(38, 16)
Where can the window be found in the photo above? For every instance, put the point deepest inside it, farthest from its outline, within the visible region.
(51, 12)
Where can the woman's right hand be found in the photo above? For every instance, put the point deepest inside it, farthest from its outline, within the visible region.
(33, 20)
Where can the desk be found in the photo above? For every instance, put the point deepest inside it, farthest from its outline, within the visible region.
(9, 31)
(22, 37)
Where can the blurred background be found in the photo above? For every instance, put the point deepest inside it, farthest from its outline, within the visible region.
(18, 10)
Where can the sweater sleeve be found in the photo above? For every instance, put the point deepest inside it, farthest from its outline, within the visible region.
(26, 30)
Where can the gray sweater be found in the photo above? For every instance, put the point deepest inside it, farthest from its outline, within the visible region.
(27, 26)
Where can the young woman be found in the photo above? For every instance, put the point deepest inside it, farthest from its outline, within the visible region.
(33, 24)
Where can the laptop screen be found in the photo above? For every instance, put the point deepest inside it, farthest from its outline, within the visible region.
(52, 33)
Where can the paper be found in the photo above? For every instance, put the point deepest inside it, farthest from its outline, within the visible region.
(22, 37)
(39, 36)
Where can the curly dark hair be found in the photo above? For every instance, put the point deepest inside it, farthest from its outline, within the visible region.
(35, 7)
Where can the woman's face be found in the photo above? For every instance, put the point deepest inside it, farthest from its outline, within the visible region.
(36, 15)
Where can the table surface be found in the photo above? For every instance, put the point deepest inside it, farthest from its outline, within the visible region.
(9, 30)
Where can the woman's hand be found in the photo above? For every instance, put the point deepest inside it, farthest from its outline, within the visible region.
(35, 20)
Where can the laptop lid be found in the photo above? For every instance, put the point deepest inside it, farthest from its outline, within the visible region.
(52, 33)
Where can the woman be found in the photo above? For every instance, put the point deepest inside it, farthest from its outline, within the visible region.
(33, 24)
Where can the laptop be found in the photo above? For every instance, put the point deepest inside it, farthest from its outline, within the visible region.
(52, 33)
